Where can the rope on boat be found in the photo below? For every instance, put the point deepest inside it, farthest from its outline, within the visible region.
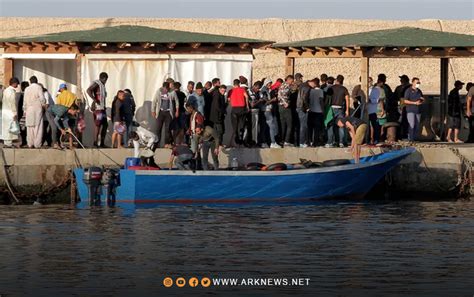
(7, 178)
(80, 143)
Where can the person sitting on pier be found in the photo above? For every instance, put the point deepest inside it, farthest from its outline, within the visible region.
(357, 129)
(142, 136)
(58, 117)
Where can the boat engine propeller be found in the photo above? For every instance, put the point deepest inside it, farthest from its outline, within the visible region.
(95, 178)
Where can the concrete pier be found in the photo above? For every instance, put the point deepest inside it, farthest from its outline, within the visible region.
(433, 170)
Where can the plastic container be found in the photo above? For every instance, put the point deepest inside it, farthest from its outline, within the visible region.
(132, 162)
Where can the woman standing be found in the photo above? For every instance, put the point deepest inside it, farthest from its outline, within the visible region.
(9, 112)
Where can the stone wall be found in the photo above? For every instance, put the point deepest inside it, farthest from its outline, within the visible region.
(269, 63)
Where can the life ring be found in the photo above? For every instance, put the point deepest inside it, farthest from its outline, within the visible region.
(276, 167)
(337, 162)
(254, 166)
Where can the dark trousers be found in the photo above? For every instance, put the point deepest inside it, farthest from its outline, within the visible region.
(102, 125)
(238, 115)
(220, 130)
(315, 127)
(52, 125)
(286, 118)
(375, 124)
(470, 139)
(164, 121)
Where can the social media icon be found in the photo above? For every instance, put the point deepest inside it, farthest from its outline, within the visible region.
(193, 282)
(205, 282)
(168, 282)
(180, 282)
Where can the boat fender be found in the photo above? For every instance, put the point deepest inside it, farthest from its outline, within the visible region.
(254, 166)
(337, 162)
(276, 167)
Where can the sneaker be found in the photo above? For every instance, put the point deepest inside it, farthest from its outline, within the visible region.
(327, 145)
(264, 145)
(341, 145)
(275, 145)
(287, 144)
(303, 145)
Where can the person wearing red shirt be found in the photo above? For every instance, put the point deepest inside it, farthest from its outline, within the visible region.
(239, 101)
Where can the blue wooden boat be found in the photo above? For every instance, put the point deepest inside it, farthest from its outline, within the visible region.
(144, 187)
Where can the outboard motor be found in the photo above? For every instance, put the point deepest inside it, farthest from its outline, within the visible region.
(110, 180)
(93, 178)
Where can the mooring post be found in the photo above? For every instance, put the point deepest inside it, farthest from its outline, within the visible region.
(73, 190)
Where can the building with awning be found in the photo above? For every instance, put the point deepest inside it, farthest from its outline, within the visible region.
(135, 57)
(405, 42)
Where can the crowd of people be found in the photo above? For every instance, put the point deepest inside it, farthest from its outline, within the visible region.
(290, 112)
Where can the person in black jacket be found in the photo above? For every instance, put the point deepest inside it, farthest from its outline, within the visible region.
(454, 112)
(218, 108)
(129, 107)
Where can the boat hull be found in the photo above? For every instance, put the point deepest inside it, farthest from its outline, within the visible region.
(173, 186)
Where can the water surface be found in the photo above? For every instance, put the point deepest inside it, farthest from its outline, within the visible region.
(407, 248)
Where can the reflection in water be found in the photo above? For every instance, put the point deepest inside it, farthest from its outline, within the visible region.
(398, 248)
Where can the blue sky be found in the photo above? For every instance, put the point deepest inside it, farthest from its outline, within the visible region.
(305, 9)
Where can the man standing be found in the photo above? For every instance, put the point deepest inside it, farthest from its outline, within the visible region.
(33, 105)
(197, 98)
(398, 94)
(189, 89)
(239, 101)
(454, 112)
(470, 112)
(180, 124)
(9, 113)
(270, 106)
(413, 98)
(286, 117)
(315, 114)
(302, 108)
(164, 108)
(257, 109)
(218, 110)
(98, 93)
(340, 108)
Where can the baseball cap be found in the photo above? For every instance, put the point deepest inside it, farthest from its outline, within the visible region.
(404, 76)
(458, 83)
(62, 86)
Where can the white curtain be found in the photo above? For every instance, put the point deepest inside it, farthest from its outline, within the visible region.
(142, 76)
(50, 72)
(184, 68)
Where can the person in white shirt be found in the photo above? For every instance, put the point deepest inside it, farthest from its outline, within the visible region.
(33, 105)
(316, 114)
(142, 136)
(9, 112)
